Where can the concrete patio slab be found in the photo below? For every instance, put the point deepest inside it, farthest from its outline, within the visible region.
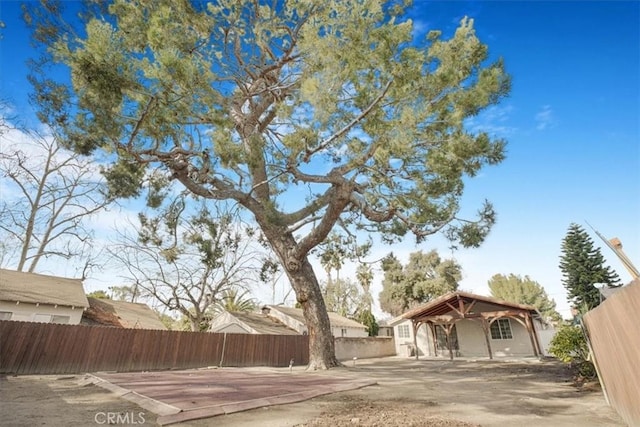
(178, 396)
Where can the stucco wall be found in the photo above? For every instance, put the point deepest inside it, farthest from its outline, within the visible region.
(28, 312)
(350, 332)
(471, 341)
(402, 345)
(365, 347)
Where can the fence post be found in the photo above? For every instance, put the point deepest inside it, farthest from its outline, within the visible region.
(224, 342)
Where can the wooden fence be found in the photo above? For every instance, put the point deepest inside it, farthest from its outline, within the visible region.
(613, 329)
(43, 348)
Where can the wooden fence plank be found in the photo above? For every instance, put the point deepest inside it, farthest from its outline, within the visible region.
(42, 348)
(615, 339)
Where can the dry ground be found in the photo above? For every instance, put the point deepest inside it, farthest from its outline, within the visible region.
(409, 393)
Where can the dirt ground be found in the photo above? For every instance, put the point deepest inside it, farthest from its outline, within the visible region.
(433, 393)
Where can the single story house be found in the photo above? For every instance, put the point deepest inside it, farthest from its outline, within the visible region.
(34, 297)
(469, 325)
(249, 323)
(385, 329)
(293, 318)
(121, 314)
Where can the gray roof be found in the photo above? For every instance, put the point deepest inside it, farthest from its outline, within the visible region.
(121, 314)
(39, 288)
(264, 324)
(334, 318)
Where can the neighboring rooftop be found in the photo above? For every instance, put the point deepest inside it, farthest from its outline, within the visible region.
(121, 314)
(334, 318)
(264, 324)
(39, 288)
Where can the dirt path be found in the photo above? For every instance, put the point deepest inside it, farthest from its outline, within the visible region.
(409, 393)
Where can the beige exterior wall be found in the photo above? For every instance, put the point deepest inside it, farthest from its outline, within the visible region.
(362, 348)
(545, 336)
(347, 332)
(337, 331)
(404, 344)
(473, 344)
(27, 312)
(471, 341)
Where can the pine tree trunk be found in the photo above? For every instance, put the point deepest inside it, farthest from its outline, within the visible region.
(322, 353)
(305, 285)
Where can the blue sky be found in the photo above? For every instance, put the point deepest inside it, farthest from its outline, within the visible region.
(572, 122)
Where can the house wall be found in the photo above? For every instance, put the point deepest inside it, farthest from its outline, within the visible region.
(403, 345)
(340, 332)
(296, 325)
(385, 331)
(471, 341)
(28, 312)
(545, 336)
(362, 348)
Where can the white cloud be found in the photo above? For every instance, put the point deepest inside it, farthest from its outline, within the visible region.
(544, 118)
(419, 28)
(494, 121)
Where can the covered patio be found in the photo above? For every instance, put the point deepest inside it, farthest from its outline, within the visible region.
(448, 310)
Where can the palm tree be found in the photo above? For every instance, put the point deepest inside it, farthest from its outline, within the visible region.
(235, 300)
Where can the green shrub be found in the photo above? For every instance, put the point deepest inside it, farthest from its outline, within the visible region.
(570, 346)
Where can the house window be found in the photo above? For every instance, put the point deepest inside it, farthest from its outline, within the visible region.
(403, 331)
(42, 318)
(441, 338)
(60, 319)
(5, 315)
(501, 330)
(343, 332)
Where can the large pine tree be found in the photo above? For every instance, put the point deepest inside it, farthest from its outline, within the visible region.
(582, 267)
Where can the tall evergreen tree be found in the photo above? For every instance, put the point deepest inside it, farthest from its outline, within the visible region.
(582, 266)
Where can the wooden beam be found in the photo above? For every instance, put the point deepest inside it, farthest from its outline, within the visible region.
(529, 326)
(486, 330)
(455, 310)
(445, 318)
(469, 307)
(504, 313)
(434, 339)
(447, 330)
(415, 336)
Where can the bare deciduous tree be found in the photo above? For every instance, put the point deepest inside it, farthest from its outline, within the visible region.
(188, 261)
(48, 192)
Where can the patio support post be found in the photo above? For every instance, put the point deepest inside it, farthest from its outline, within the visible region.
(447, 330)
(529, 326)
(485, 329)
(434, 339)
(415, 336)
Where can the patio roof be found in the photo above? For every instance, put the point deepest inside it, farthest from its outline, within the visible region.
(453, 307)
(456, 301)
